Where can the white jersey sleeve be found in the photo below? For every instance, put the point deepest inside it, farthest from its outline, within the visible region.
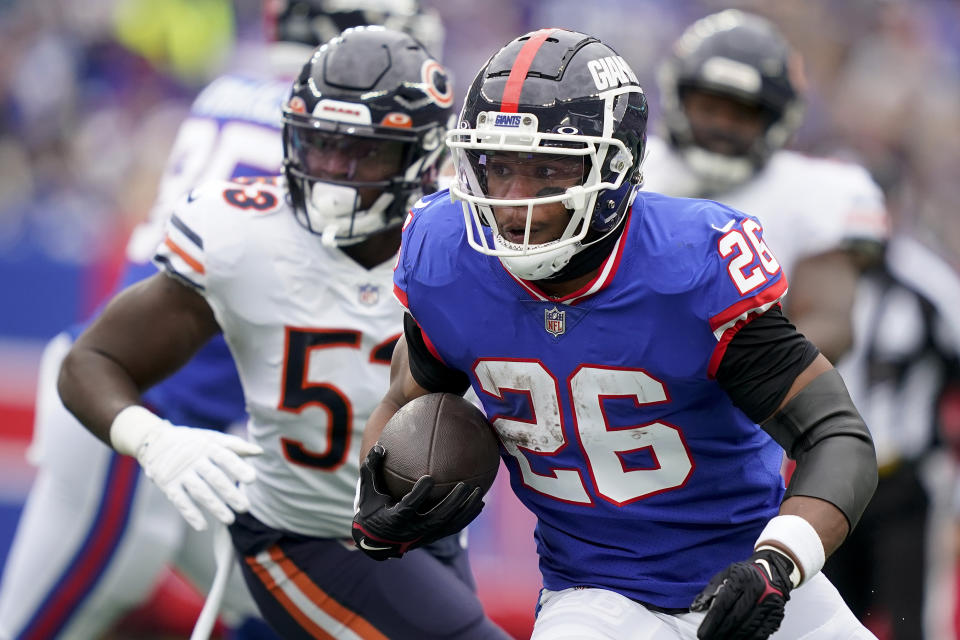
(807, 205)
(181, 253)
(211, 228)
(844, 202)
(311, 333)
(814, 205)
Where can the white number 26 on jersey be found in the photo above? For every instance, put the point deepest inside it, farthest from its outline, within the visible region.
(747, 246)
(602, 446)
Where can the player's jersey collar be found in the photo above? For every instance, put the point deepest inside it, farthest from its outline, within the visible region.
(601, 281)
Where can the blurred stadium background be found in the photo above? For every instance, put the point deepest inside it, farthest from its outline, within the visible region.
(91, 94)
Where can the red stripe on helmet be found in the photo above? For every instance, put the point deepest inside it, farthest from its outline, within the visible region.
(518, 73)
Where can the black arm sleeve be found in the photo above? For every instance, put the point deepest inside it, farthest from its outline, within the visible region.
(430, 373)
(819, 428)
(762, 361)
(822, 430)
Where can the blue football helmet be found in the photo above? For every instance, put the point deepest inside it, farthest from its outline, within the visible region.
(558, 94)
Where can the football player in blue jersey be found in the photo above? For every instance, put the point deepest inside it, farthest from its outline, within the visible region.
(95, 534)
(646, 383)
(732, 95)
(294, 270)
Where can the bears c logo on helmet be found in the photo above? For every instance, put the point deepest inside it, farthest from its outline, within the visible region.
(297, 105)
(437, 83)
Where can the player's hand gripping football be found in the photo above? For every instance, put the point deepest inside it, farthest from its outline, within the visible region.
(191, 466)
(745, 601)
(384, 528)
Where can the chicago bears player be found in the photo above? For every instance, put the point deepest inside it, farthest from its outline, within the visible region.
(645, 382)
(75, 565)
(731, 98)
(296, 272)
(730, 93)
(95, 534)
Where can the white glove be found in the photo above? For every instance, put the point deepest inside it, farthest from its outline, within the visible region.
(191, 466)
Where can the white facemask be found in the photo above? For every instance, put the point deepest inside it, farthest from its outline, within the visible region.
(535, 266)
(332, 210)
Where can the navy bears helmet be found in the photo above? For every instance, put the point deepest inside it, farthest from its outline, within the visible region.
(369, 94)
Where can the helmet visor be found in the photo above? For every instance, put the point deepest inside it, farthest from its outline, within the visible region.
(335, 156)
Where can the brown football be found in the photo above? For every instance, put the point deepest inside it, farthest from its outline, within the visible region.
(443, 436)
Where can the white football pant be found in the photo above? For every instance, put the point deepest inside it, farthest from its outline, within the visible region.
(815, 611)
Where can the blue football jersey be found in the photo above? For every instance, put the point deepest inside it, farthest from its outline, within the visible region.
(644, 477)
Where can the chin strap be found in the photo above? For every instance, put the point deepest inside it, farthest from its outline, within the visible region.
(538, 266)
(329, 235)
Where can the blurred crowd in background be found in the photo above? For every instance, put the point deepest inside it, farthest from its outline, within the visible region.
(92, 92)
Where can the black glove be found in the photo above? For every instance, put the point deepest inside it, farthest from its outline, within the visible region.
(745, 601)
(384, 528)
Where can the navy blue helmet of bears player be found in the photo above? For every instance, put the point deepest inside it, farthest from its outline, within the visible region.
(368, 86)
(744, 57)
(559, 93)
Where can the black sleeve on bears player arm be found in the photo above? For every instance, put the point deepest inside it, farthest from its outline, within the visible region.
(429, 372)
(762, 361)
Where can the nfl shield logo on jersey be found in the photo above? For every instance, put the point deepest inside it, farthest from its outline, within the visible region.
(554, 321)
(369, 294)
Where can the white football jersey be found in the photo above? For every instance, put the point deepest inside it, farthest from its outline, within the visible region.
(807, 205)
(311, 332)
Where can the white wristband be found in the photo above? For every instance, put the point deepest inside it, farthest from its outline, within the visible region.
(130, 428)
(796, 538)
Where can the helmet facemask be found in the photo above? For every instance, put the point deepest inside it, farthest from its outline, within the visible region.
(350, 182)
(363, 133)
(592, 176)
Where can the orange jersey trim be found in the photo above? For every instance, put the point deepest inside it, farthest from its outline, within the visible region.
(186, 257)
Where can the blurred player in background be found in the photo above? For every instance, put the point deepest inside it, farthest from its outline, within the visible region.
(731, 99)
(904, 375)
(296, 272)
(95, 534)
(644, 349)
